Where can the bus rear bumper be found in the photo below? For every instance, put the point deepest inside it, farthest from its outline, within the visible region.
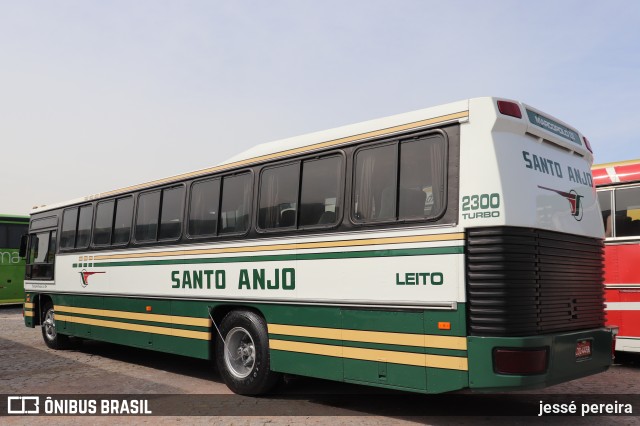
(516, 363)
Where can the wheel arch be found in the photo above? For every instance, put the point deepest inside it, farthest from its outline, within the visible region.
(40, 304)
(218, 312)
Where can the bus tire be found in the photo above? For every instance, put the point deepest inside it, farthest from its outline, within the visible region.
(51, 337)
(245, 364)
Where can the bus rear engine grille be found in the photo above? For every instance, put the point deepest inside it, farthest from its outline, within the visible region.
(524, 282)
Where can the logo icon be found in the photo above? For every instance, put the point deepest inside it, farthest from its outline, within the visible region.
(23, 405)
(84, 275)
(575, 201)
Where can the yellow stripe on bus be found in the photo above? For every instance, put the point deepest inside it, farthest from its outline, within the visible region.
(28, 305)
(308, 348)
(28, 313)
(293, 246)
(168, 319)
(321, 145)
(201, 335)
(419, 340)
(405, 358)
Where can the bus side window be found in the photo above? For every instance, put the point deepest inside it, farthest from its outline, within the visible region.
(278, 204)
(11, 234)
(375, 183)
(627, 212)
(122, 221)
(203, 208)
(422, 188)
(420, 191)
(235, 204)
(76, 227)
(4, 231)
(147, 216)
(604, 199)
(171, 213)
(40, 259)
(159, 215)
(320, 190)
(69, 223)
(51, 250)
(104, 223)
(83, 234)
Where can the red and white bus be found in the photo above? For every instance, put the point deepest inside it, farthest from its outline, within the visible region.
(618, 186)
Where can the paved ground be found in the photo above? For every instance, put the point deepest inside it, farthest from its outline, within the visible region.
(27, 366)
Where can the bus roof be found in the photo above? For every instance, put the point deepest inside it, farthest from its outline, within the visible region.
(340, 136)
(455, 112)
(617, 172)
(13, 218)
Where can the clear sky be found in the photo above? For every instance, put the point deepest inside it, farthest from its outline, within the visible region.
(97, 95)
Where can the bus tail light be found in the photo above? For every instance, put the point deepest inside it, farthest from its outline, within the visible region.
(511, 109)
(587, 144)
(520, 361)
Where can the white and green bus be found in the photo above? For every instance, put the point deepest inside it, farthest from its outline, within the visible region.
(458, 246)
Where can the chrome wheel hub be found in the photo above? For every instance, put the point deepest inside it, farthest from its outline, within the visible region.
(49, 325)
(239, 354)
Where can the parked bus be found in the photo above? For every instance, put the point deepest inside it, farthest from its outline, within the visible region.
(618, 186)
(11, 264)
(458, 246)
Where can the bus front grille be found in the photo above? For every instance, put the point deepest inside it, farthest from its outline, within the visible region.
(524, 282)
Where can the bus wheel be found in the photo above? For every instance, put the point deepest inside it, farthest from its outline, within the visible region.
(49, 333)
(243, 359)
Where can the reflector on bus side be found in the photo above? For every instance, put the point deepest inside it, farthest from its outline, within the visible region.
(520, 361)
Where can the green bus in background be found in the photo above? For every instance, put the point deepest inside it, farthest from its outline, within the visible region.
(11, 264)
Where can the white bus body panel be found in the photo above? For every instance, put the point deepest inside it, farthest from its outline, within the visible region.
(380, 280)
(499, 155)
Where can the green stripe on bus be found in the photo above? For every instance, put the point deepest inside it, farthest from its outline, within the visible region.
(382, 320)
(172, 344)
(284, 257)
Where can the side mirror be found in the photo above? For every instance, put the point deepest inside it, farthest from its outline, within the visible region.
(23, 245)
